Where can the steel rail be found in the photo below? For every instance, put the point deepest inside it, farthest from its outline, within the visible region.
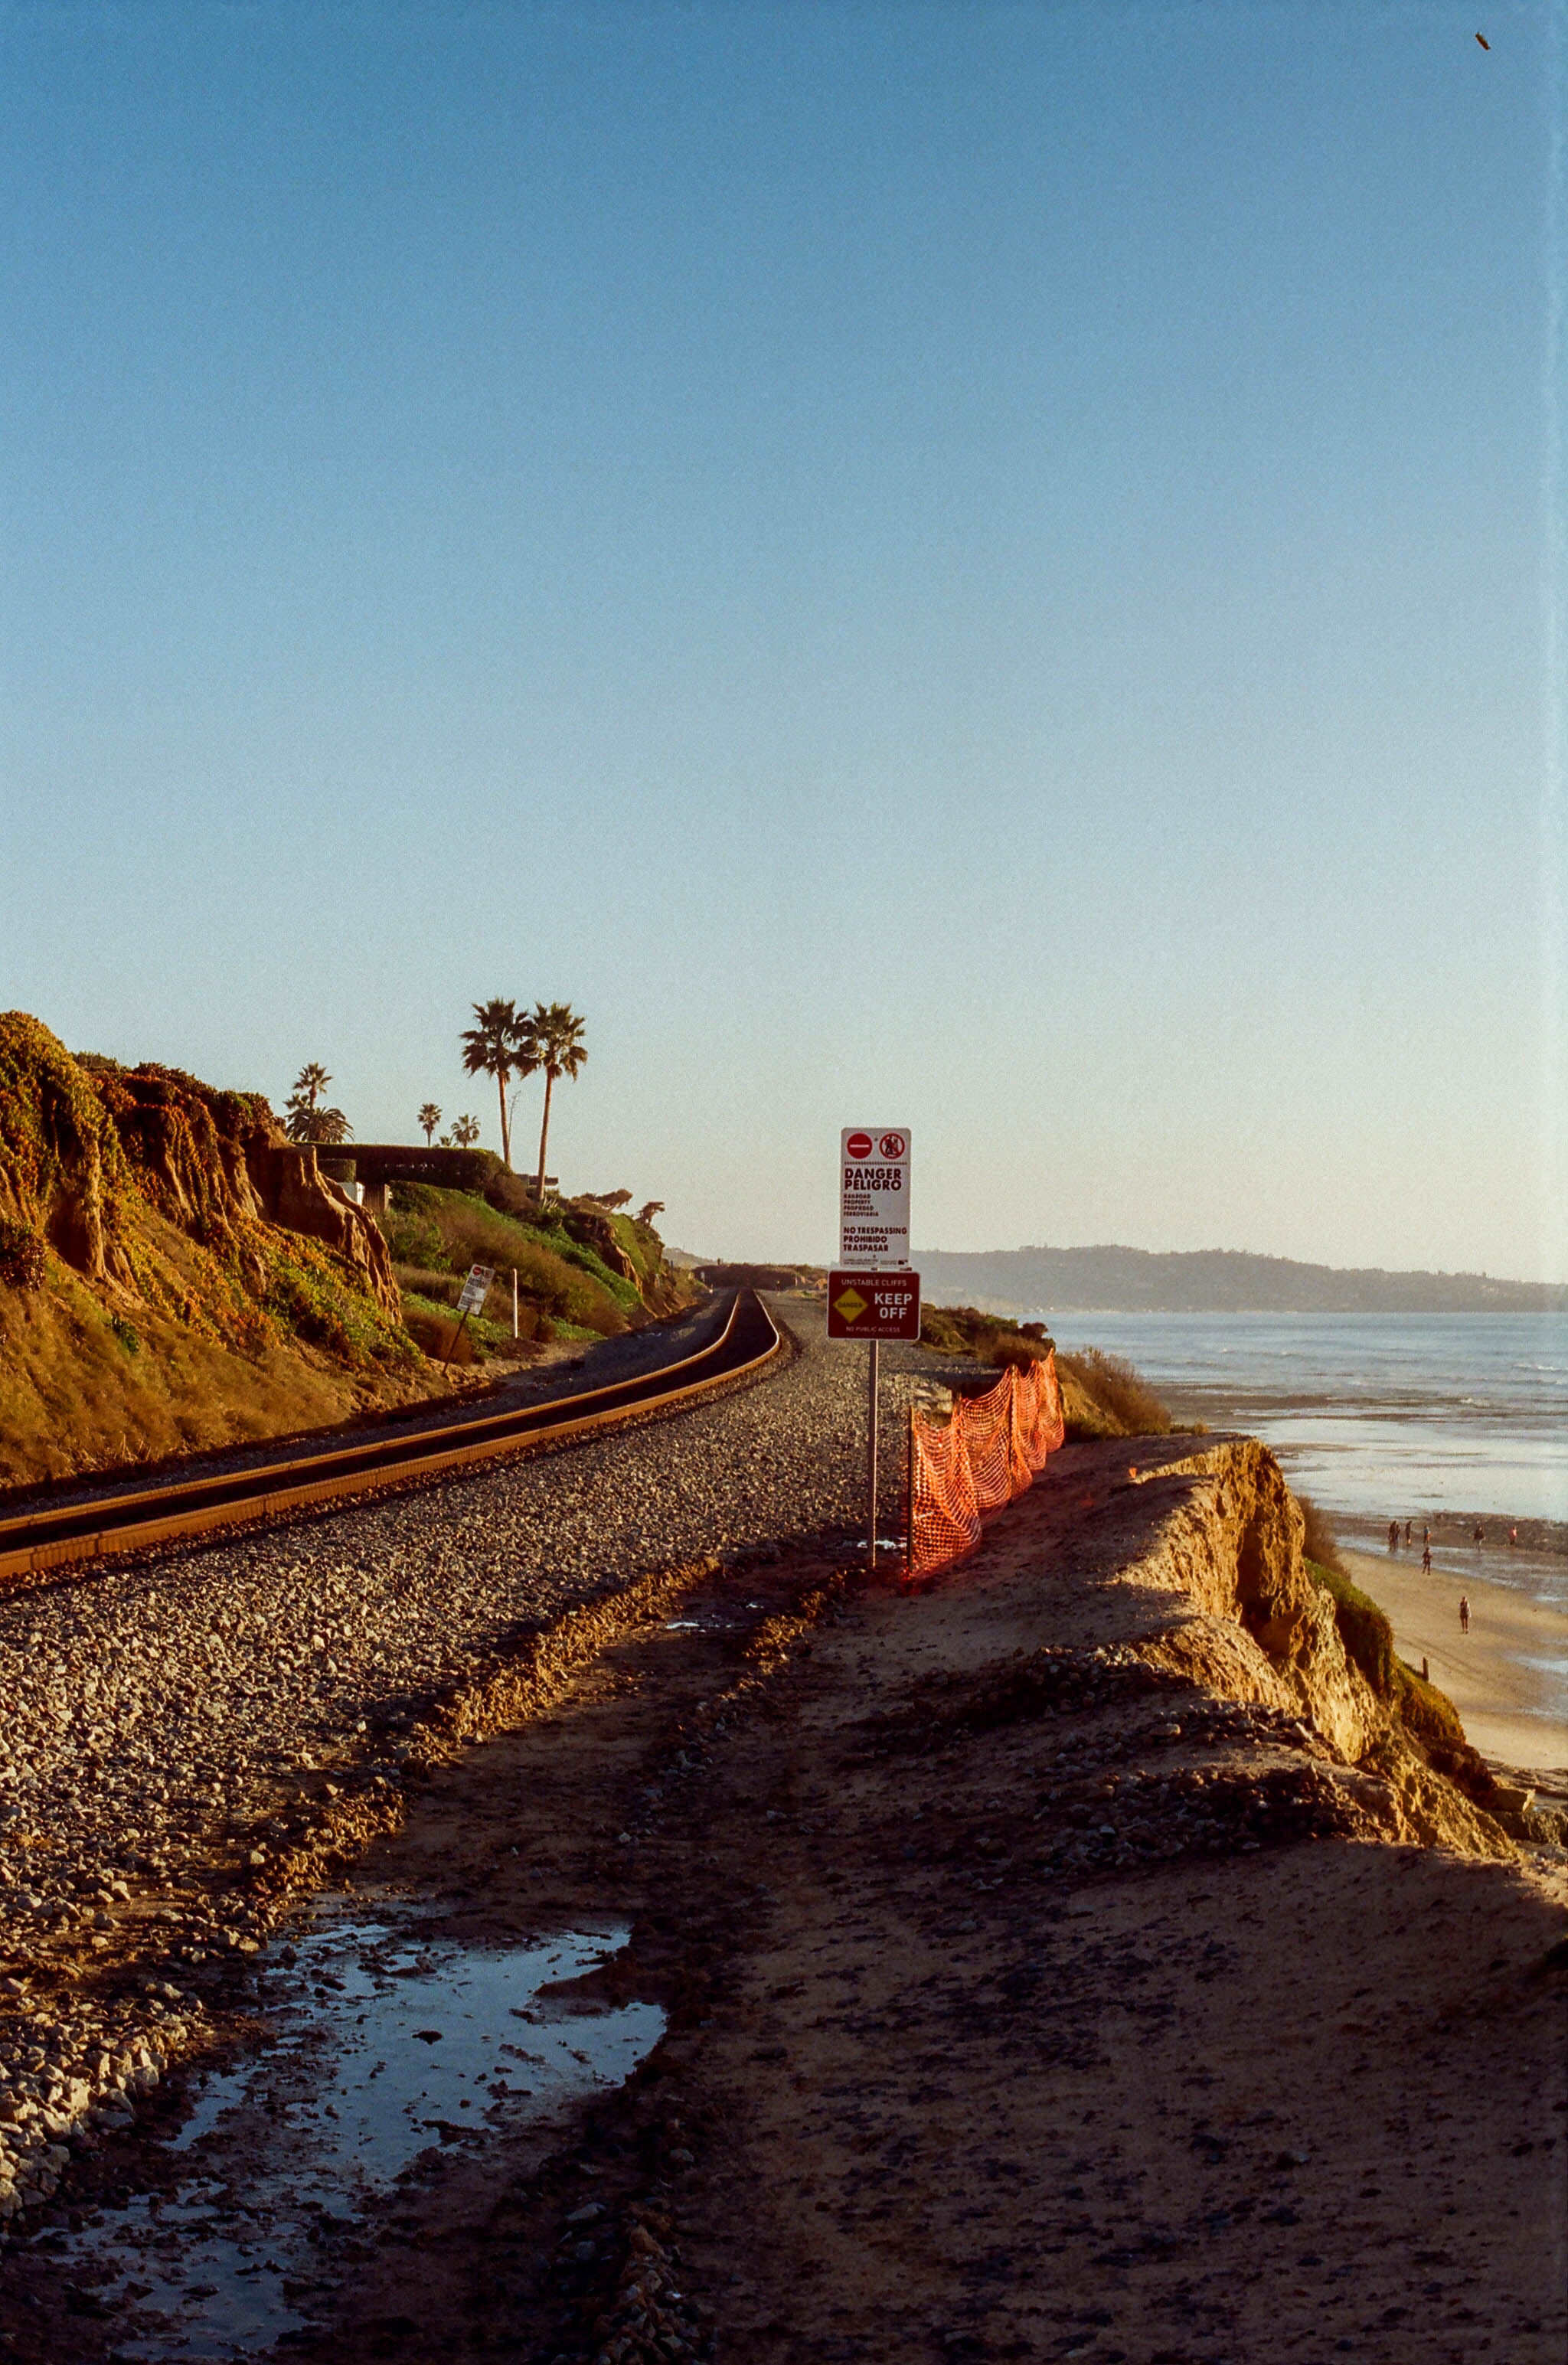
(132, 1519)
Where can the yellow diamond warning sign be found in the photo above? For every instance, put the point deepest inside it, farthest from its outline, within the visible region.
(873, 1306)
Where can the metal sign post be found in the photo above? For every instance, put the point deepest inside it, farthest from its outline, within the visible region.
(873, 1240)
(871, 1411)
(873, 1306)
(871, 1297)
(475, 1291)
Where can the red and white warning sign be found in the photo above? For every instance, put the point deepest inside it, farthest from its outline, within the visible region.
(873, 1205)
(873, 1306)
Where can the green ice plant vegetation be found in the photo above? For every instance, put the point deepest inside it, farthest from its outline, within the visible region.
(431, 1231)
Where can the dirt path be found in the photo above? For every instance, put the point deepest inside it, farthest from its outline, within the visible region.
(1078, 2017)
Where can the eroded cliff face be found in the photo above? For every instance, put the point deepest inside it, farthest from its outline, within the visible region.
(296, 1193)
(173, 1272)
(83, 1141)
(1248, 1621)
(62, 1171)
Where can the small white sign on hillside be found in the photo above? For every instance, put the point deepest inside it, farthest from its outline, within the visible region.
(476, 1288)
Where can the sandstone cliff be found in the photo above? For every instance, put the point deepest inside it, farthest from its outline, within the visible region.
(1246, 1620)
(172, 1271)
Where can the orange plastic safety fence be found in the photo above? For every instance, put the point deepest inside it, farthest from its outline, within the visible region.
(1040, 1424)
(944, 1518)
(992, 1448)
(987, 1425)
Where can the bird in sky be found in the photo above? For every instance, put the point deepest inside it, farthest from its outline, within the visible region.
(1483, 41)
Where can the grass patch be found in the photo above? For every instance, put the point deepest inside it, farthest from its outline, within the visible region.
(308, 1295)
(1102, 1395)
(433, 1322)
(435, 1235)
(1427, 1716)
(559, 1241)
(989, 1337)
(1320, 1543)
(1364, 1630)
(1121, 1402)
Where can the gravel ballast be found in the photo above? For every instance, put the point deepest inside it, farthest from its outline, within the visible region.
(155, 1707)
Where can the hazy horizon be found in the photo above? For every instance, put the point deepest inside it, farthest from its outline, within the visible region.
(928, 1249)
(991, 568)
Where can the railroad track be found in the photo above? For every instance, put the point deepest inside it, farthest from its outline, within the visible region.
(134, 1516)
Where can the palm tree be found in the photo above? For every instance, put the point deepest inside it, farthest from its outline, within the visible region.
(465, 1132)
(427, 1120)
(499, 1046)
(554, 1040)
(304, 1120)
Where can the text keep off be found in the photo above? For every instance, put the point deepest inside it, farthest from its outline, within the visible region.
(873, 1306)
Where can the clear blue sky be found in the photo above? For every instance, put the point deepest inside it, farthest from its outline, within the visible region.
(991, 568)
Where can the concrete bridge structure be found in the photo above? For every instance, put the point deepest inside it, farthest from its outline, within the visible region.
(376, 1164)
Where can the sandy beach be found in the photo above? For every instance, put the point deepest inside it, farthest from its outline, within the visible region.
(1507, 1677)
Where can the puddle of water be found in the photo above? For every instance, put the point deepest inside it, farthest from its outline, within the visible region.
(386, 2046)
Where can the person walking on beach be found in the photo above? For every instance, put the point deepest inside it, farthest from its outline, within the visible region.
(1393, 1535)
(1464, 1613)
(1480, 1536)
(1427, 1559)
(1408, 1530)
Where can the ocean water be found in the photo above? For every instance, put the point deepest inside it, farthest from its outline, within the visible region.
(1445, 1419)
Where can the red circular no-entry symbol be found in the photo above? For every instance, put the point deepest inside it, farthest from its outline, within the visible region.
(893, 1145)
(858, 1145)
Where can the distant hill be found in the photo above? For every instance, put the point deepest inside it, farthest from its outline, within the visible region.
(1208, 1281)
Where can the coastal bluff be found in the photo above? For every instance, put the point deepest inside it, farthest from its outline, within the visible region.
(1072, 1945)
(1220, 1594)
(173, 1272)
(1053, 1954)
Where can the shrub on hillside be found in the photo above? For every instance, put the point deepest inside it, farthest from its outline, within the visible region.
(21, 1255)
(1364, 1631)
(438, 1233)
(1120, 1392)
(964, 1331)
(308, 1295)
(1010, 1348)
(415, 1237)
(1320, 1543)
(553, 1270)
(428, 1282)
(1426, 1714)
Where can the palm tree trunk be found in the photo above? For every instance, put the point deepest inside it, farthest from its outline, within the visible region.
(506, 1129)
(544, 1133)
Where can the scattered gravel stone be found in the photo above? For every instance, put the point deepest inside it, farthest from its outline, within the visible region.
(157, 1710)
